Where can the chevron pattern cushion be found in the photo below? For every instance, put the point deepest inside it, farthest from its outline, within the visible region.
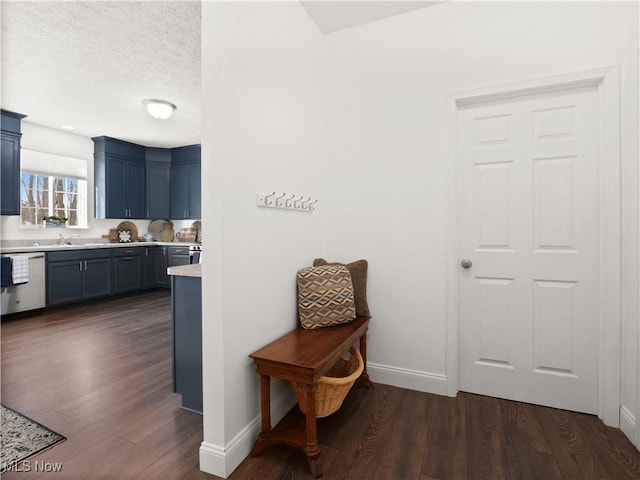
(358, 271)
(325, 296)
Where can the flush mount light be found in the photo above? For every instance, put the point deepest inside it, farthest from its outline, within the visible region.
(67, 127)
(160, 109)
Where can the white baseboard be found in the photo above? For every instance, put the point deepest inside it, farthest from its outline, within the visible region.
(405, 378)
(629, 426)
(223, 460)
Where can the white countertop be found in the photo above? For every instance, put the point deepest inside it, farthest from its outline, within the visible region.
(194, 270)
(62, 248)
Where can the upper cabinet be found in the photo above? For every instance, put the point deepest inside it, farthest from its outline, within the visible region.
(120, 172)
(10, 133)
(158, 182)
(132, 181)
(186, 183)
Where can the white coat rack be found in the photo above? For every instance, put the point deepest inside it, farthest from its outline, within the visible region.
(286, 201)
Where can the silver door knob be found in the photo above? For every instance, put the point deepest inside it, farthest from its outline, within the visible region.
(466, 263)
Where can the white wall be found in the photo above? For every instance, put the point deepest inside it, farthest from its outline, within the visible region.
(264, 116)
(48, 140)
(359, 118)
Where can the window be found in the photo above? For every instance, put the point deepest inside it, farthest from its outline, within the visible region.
(43, 195)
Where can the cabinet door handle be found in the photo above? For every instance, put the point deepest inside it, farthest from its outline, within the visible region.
(85, 266)
(129, 258)
(80, 265)
(128, 251)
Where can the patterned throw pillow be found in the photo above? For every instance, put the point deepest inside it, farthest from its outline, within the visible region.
(325, 296)
(358, 271)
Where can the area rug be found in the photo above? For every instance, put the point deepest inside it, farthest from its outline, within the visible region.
(21, 437)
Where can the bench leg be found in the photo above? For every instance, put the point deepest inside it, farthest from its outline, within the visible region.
(311, 448)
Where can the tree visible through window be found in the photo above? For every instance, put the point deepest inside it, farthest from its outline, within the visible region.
(44, 195)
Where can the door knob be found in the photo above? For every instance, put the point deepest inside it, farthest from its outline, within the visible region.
(466, 263)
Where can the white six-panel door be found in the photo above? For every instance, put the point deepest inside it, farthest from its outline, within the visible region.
(528, 224)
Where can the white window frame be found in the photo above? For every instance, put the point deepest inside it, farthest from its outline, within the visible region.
(81, 210)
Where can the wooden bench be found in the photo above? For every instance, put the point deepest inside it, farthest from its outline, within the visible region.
(304, 356)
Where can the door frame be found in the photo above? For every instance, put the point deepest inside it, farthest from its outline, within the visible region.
(606, 81)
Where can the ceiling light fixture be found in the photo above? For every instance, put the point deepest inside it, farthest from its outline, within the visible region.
(160, 109)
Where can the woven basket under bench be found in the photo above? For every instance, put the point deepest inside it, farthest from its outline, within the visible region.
(332, 388)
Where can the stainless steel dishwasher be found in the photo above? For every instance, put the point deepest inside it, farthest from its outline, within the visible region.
(30, 295)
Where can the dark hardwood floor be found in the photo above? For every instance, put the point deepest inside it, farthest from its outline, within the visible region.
(100, 374)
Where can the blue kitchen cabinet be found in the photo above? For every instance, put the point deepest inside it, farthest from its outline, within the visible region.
(64, 282)
(120, 179)
(162, 263)
(178, 256)
(186, 309)
(150, 267)
(127, 267)
(10, 133)
(158, 183)
(96, 281)
(186, 183)
(73, 276)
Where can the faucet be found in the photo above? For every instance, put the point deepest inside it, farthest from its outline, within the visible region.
(66, 241)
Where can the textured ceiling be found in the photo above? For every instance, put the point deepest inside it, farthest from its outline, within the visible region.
(90, 64)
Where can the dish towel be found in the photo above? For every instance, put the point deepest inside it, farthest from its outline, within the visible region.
(5, 271)
(19, 269)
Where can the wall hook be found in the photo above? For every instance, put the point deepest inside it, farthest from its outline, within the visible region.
(296, 204)
(266, 198)
(287, 202)
(278, 203)
(311, 205)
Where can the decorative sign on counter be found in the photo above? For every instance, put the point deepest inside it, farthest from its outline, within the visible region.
(286, 201)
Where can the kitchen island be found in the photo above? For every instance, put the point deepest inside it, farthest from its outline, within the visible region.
(186, 315)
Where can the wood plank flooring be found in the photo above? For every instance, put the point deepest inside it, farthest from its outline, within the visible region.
(100, 374)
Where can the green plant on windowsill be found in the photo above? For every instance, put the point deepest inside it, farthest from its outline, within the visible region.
(54, 221)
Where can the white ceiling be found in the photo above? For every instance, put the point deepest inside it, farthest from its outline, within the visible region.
(89, 64)
(331, 16)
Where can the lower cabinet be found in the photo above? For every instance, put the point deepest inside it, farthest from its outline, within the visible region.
(178, 256)
(127, 269)
(150, 267)
(162, 263)
(73, 276)
(77, 275)
(97, 278)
